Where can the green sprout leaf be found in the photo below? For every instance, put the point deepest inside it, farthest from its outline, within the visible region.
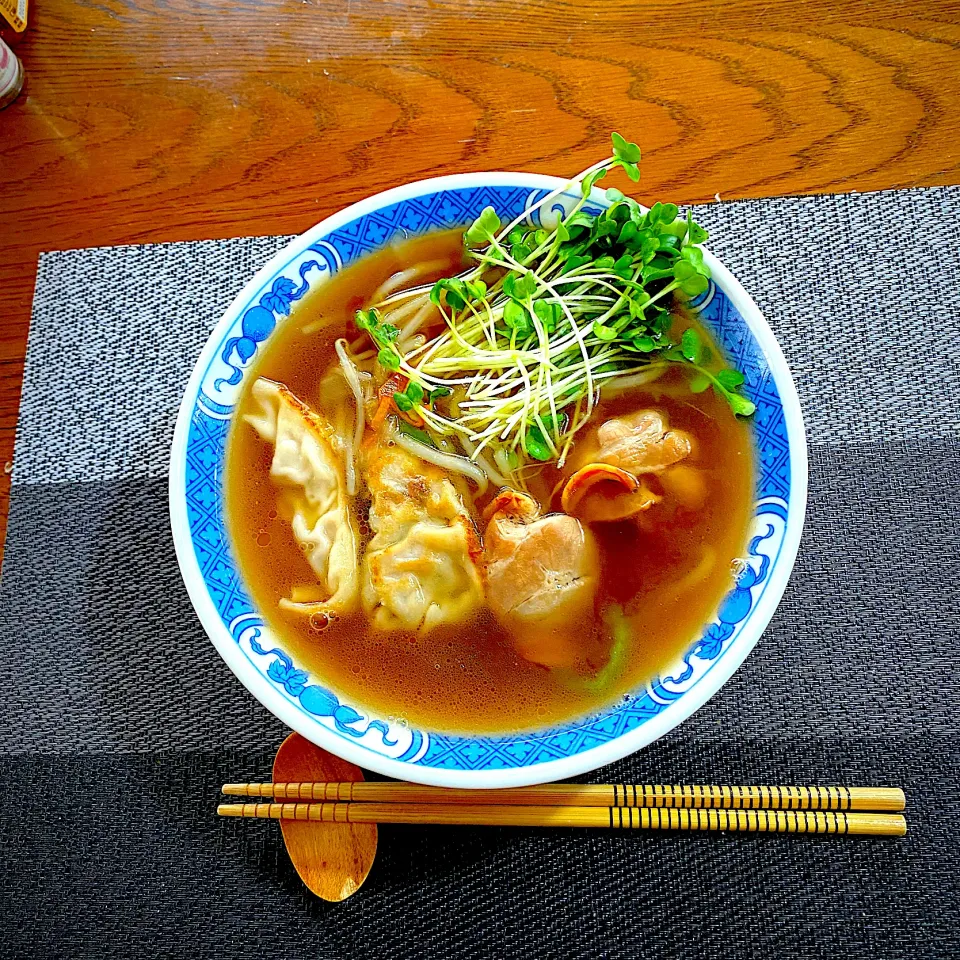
(624, 150)
(519, 287)
(388, 359)
(626, 155)
(575, 261)
(483, 229)
(695, 233)
(402, 401)
(517, 318)
(696, 285)
(514, 314)
(740, 405)
(731, 379)
(606, 228)
(623, 267)
(366, 319)
(526, 286)
(603, 333)
(455, 291)
(668, 213)
(588, 182)
(476, 289)
(645, 344)
(691, 345)
(548, 314)
(578, 220)
(383, 335)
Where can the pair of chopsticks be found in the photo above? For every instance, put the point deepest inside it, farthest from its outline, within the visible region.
(873, 811)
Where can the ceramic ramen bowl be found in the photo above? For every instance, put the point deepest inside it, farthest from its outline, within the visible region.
(305, 701)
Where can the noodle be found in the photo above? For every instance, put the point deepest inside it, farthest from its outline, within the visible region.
(417, 322)
(484, 464)
(616, 384)
(308, 330)
(398, 314)
(353, 380)
(403, 277)
(457, 479)
(696, 576)
(446, 461)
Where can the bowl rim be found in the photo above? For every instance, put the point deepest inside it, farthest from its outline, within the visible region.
(588, 760)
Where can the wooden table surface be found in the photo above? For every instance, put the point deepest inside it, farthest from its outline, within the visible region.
(152, 121)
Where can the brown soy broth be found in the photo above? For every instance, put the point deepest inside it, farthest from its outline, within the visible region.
(469, 678)
(656, 565)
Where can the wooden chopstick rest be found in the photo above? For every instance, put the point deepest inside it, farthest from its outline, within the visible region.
(878, 799)
(334, 861)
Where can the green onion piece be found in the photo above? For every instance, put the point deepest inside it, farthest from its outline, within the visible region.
(415, 433)
(535, 445)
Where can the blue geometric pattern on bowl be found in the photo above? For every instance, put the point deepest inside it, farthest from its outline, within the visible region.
(389, 738)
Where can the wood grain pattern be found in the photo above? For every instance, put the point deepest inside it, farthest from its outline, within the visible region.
(158, 120)
(335, 859)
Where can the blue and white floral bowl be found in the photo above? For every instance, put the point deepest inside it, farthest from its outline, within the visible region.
(304, 701)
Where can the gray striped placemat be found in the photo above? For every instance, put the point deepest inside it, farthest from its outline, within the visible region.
(118, 720)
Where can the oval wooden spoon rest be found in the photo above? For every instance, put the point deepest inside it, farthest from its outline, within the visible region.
(333, 859)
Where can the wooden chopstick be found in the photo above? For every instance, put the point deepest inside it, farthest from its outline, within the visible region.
(591, 795)
(636, 818)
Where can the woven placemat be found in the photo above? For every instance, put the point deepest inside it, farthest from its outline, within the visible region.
(118, 721)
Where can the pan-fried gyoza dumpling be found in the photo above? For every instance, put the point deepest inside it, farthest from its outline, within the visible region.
(541, 575)
(420, 569)
(310, 470)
